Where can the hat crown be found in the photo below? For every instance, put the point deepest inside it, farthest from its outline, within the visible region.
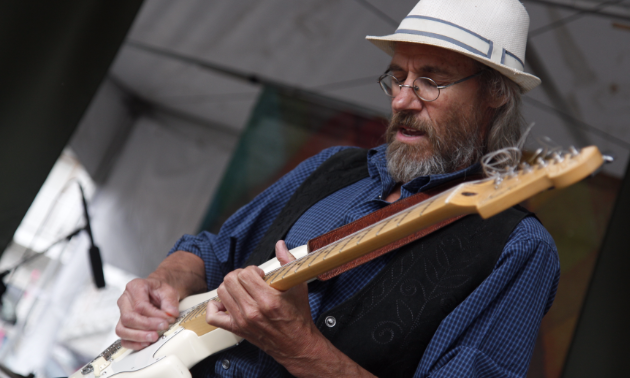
(504, 22)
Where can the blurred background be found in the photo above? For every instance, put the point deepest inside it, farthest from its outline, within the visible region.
(172, 114)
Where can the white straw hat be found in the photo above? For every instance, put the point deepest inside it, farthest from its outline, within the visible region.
(493, 32)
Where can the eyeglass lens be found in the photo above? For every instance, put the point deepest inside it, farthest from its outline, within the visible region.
(425, 88)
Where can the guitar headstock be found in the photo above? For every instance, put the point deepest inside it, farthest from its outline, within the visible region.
(493, 195)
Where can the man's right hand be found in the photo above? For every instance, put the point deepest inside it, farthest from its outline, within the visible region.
(149, 305)
(146, 307)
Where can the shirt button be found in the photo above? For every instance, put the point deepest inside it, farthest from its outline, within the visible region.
(225, 363)
(330, 321)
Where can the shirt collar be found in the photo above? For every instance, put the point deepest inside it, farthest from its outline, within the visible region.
(377, 168)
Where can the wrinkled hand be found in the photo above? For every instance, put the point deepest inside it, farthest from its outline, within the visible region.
(146, 307)
(277, 322)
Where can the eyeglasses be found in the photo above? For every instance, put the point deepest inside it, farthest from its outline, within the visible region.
(425, 88)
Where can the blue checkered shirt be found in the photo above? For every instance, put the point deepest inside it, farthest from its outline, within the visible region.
(490, 334)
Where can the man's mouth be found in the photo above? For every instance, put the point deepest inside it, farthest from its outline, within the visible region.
(409, 132)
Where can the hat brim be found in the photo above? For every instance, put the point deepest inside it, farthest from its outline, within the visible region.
(387, 43)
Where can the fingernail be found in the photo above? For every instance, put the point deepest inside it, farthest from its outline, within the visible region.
(163, 326)
(171, 311)
(149, 336)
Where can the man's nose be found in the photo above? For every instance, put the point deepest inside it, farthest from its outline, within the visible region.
(406, 99)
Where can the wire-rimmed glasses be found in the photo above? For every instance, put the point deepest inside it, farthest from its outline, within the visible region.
(424, 87)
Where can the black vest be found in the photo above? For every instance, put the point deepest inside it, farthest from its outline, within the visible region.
(388, 324)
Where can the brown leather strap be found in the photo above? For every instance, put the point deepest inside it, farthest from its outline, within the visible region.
(366, 221)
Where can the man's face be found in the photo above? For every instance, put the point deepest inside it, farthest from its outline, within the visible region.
(439, 136)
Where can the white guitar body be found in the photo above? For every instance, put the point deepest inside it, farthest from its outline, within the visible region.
(176, 351)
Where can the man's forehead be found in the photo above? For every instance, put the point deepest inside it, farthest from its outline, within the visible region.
(429, 59)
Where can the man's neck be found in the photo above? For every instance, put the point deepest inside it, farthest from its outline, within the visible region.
(394, 195)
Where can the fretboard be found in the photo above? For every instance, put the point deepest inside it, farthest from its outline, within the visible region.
(362, 242)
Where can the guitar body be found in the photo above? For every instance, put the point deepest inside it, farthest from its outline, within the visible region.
(176, 351)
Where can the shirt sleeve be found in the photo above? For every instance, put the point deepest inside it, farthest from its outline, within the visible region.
(239, 235)
(493, 332)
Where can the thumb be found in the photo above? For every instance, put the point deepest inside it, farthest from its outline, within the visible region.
(283, 254)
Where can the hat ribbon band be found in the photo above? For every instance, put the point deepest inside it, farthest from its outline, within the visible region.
(463, 38)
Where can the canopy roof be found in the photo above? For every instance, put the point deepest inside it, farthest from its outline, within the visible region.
(583, 57)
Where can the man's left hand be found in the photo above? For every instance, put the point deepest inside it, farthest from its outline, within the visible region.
(278, 322)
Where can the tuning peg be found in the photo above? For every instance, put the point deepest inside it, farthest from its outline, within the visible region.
(608, 159)
(574, 152)
(557, 158)
(525, 168)
(497, 182)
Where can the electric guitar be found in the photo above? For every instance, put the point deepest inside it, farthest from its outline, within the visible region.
(190, 339)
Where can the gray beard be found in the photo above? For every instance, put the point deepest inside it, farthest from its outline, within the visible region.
(457, 148)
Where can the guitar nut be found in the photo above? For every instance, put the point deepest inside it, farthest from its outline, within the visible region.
(330, 321)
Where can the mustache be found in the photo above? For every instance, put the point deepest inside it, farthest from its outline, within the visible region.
(408, 120)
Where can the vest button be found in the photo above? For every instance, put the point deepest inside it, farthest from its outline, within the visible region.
(225, 363)
(330, 321)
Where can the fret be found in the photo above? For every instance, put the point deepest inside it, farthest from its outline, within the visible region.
(282, 271)
(298, 264)
(193, 312)
(347, 240)
(421, 210)
(327, 250)
(385, 223)
(392, 224)
(404, 215)
(351, 240)
(364, 234)
(314, 255)
(275, 275)
(303, 260)
(198, 311)
(426, 204)
(288, 270)
(333, 245)
(370, 234)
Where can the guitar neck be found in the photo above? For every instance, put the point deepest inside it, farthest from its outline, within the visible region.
(353, 246)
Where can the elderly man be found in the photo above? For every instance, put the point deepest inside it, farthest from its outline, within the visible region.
(466, 300)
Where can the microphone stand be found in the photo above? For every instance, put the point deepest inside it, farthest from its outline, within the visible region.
(95, 253)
